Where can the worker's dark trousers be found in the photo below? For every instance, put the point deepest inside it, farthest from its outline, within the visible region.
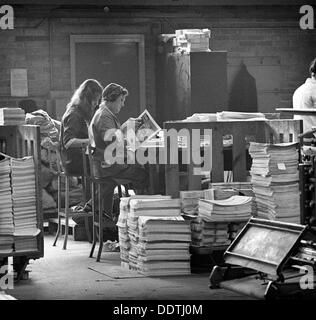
(135, 174)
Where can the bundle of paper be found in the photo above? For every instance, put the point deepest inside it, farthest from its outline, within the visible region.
(190, 201)
(6, 215)
(167, 235)
(25, 243)
(231, 115)
(128, 225)
(235, 208)
(155, 207)
(12, 116)
(209, 234)
(24, 196)
(275, 176)
(192, 40)
(219, 193)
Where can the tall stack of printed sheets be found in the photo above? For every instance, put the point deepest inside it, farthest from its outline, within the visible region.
(24, 203)
(155, 237)
(12, 116)
(6, 215)
(275, 177)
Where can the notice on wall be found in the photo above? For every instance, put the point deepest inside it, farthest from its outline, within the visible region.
(19, 86)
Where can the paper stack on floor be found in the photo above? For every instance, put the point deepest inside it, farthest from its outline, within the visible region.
(209, 234)
(275, 176)
(12, 116)
(235, 208)
(154, 236)
(6, 216)
(190, 201)
(172, 236)
(24, 203)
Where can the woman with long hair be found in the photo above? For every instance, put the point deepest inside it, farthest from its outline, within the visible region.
(75, 123)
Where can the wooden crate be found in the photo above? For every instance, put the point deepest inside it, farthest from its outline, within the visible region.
(21, 141)
(269, 131)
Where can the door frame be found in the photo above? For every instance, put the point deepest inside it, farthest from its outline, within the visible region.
(116, 38)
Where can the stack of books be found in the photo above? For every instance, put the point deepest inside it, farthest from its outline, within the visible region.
(6, 216)
(24, 203)
(12, 116)
(209, 234)
(170, 237)
(235, 208)
(275, 180)
(192, 40)
(190, 201)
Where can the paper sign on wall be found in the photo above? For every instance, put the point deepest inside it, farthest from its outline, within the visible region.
(19, 86)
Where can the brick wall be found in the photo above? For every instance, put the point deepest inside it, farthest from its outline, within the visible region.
(267, 39)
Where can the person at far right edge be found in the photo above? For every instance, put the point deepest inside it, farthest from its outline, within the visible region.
(304, 97)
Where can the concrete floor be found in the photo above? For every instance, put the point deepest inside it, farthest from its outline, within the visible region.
(66, 274)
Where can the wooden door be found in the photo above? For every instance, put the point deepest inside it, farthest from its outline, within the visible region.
(118, 59)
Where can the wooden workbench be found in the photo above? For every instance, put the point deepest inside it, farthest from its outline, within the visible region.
(270, 131)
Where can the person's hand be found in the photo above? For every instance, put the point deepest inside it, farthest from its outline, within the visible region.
(134, 123)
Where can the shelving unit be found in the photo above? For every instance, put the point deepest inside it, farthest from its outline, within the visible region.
(18, 142)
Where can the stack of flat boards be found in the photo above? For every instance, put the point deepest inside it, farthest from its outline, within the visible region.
(275, 177)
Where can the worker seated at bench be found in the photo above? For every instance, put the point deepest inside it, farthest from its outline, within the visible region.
(105, 132)
(74, 129)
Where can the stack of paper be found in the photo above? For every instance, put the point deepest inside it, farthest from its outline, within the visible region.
(219, 193)
(25, 243)
(190, 201)
(128, 228)
(231, 115)
(124, 240)
(12, 116)
(171, 237)
(192, 40)
(275, 176)
(209, 234)
(6, 217)
(235, 208)
(24, 200)
(155, 207)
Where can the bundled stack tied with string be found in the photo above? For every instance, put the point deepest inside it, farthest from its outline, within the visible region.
(24, 203)
(275, 180)
(6, 215)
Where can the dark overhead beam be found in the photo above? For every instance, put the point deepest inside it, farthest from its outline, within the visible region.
(146, 3)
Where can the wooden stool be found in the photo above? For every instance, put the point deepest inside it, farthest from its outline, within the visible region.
(66, 213)
(97, 213)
